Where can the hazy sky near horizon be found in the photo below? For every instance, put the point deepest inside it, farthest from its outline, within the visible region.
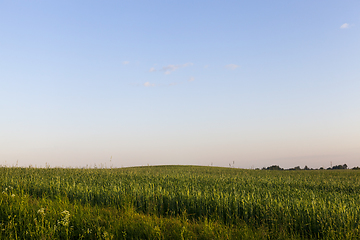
(180, 82)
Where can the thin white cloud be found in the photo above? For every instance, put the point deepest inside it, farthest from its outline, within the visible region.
(152, 69)
(187, 64)
(125, 62)
(170, 68)
(232, 66)
(206, 66)
(191, 79)
(148, 84)
(345, 25)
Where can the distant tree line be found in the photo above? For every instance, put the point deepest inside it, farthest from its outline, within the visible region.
(277, 167)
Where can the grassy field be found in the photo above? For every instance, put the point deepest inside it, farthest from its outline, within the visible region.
(178, 202)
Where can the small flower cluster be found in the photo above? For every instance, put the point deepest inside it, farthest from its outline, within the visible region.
(41, 211)
(6, 189)
(65, 218)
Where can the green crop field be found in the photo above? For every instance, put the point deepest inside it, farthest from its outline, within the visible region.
(178, 202)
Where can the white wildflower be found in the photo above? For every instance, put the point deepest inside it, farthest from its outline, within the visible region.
(41, 211)
(65, 218)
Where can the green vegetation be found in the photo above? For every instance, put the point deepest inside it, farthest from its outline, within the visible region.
(178, 202)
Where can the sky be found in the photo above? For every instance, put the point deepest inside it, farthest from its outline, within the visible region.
(246, 84)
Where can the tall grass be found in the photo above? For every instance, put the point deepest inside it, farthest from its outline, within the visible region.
(219, 202)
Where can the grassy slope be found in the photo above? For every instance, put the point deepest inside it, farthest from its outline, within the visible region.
(178, 202)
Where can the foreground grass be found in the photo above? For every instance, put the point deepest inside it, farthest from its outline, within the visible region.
(178, 202)
(29, 218)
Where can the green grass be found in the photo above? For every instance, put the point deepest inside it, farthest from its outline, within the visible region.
(178, 202)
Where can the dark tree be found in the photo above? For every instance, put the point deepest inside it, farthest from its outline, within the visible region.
(344, 166)
(274, 167)
(295, 168)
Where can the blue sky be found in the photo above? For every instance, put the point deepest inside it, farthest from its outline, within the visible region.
(180, 82)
